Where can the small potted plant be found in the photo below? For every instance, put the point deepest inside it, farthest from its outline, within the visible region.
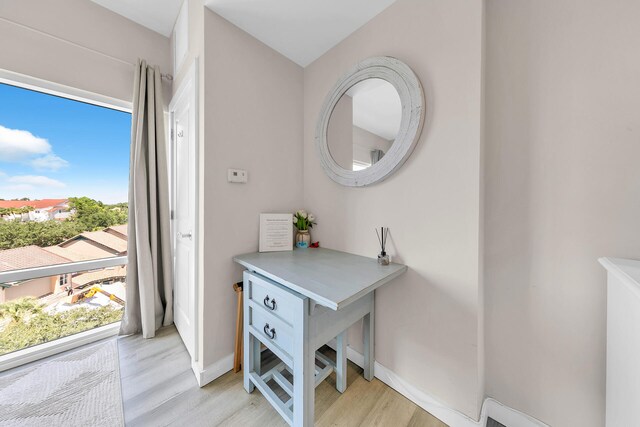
(303, 222)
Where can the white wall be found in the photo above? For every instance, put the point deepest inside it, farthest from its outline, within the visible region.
(562, 189)
(427, 321)
(253, 112)
(27, 52)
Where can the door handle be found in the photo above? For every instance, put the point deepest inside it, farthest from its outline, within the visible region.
(188, 235)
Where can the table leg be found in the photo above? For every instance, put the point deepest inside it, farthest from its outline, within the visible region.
(251, 351)
(341, 362)
(304, 369)
(369, 333)
(248, 362)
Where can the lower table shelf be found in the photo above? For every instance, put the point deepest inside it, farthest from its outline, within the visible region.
(324, 368)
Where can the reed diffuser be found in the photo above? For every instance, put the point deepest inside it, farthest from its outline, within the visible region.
(383, 258)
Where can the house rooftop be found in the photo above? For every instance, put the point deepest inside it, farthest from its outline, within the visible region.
(120, 230)
(70, 253)
(107, 239)
(28, 257)
(36, 204)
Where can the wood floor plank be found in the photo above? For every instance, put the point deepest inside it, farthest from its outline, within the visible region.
(159, 389)
(354, 405)
(422, 418)
(391, 409)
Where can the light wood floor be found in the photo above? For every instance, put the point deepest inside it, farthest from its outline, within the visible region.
(159, 389)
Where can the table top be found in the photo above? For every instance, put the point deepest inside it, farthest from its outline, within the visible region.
(331, 278)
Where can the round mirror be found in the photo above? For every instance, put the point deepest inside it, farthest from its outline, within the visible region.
(370, 122)
(364, 124)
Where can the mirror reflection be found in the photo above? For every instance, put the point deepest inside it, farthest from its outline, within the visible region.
(364, 124)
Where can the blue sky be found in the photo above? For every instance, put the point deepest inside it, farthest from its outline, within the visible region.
(53, 147)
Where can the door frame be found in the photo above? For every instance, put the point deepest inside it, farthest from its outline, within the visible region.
(188, 85)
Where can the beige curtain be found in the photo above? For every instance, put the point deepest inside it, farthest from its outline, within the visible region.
(149, 302)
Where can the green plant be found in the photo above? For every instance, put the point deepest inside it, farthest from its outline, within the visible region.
(21, 309)
(303, 221)
(31, 325)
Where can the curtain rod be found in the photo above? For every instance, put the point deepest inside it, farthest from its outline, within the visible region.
(165, 76)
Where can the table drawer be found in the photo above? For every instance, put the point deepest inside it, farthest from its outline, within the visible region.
(273, 298)
(271, 329)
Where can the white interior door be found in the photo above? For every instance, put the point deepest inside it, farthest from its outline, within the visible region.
(183, 110)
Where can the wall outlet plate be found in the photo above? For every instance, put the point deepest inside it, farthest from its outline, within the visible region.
(237, 176)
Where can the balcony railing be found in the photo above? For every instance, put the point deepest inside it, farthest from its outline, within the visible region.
(79, 292)
(57, 269)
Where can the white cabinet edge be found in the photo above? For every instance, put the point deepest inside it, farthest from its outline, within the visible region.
(623, 269)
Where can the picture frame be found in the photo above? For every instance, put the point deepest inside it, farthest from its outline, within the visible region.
(276, 232)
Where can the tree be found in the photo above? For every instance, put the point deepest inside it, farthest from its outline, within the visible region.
(15, 234)
(21, 309)
(34, 326)
(94, 215)
(90, 215)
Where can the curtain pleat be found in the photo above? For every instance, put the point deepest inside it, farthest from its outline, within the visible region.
(149, 303)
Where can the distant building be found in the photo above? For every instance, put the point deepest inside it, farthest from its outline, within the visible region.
(111, 241)
(30, 257)
(39, 210)
(107, 243)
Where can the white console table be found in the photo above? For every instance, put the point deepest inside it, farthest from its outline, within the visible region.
(297, 301)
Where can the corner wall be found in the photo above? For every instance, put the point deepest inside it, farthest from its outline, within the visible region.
(427, 321)
(562, 189)
(253, 106)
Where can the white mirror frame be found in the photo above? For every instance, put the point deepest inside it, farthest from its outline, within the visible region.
(413, 110)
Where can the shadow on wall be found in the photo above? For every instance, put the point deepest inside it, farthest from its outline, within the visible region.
(508, 241)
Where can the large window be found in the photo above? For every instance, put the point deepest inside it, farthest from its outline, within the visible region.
(64, 170)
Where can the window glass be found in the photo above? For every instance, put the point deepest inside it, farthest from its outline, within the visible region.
(64, 170)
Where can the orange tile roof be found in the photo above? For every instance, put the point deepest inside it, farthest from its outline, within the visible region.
(28, 257)
(36, 204)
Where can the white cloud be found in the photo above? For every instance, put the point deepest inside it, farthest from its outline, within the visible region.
(16, 144)
(49, 162)
(22, 146)
(33, 181)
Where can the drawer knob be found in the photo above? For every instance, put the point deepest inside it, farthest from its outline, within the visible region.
(271, 306)
(271, 333)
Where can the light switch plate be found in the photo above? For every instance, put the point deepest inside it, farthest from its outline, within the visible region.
(237, 175)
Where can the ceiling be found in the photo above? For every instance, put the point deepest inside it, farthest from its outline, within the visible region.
(301, 30)
(157, 15)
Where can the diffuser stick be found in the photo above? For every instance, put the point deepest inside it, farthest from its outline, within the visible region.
(383, 258)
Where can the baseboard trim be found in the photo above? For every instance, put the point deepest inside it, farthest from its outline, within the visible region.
(510, 417)
(213, 371)
(491, 408)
